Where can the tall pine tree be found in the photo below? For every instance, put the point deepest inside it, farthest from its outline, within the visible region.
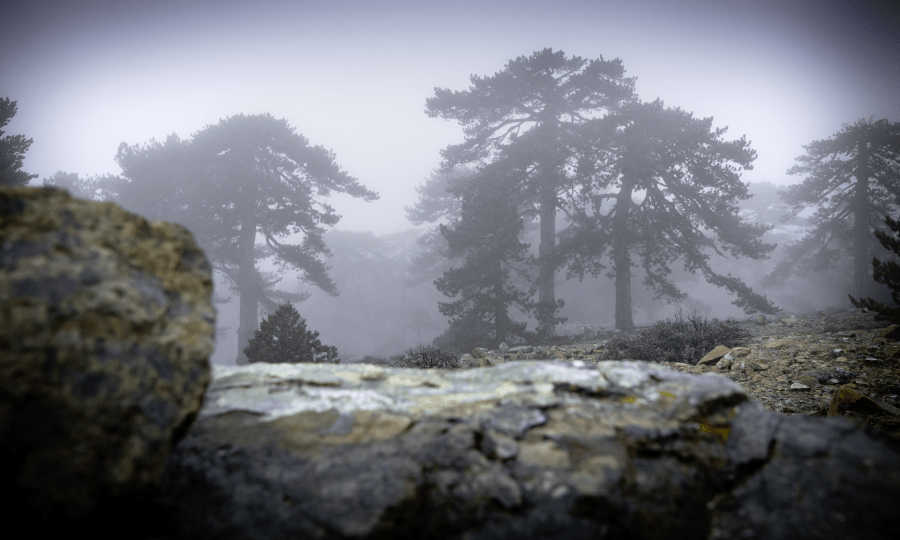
(243, 177)
(661, 185)
(853, 179)
(528, 116)
(494, 266)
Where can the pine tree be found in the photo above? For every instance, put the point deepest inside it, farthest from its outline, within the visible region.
(12, 150)
(528, 116)
(283, 338)
(661, 185)
(886, 273)
(243, 177)
(853, 178)
(487, 284)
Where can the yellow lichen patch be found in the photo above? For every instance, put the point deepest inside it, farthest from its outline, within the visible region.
(629, 399)
(720, 431)
(666, 394)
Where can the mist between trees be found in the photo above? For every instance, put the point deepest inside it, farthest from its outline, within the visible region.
(568, 199)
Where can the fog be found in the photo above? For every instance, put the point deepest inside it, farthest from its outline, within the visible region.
(353, 76)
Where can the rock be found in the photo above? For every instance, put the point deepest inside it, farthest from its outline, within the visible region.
(761, 319)
(799, 387)
(847, 400)
(521, 349)
(521, 450)
(106, 327)
(780, 343)
(892, 332)
(480, 352)
(714, 355)
(740, 352)
(503, 347)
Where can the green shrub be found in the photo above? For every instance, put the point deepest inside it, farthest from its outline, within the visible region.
(428, 356)
(283, 338)
(680, 339)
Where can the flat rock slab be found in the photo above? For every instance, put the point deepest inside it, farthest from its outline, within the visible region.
(530, 449)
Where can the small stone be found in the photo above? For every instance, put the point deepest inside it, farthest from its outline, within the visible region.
(725, 362)
(714, 355)
(479, 352)
(799, 387)
(503, 347)
(833, 381)
(761, 320)
(467, 361)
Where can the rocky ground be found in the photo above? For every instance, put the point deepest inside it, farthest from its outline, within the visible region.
(848, 362)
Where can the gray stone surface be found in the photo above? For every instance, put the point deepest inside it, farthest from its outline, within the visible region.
(520, 450)
(106, 327)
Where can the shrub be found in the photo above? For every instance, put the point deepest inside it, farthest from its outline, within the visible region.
(428, 356)
(681, 339)
(283, 338)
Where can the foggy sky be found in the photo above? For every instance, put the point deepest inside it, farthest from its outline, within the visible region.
(353, 76)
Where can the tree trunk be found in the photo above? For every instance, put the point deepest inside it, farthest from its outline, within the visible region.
(862, 261)
(500, 324)
(622, 258)
(248, 284)
(547, 270)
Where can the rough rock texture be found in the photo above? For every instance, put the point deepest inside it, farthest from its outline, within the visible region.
(793, 365)
(106, 327)
(527, 449)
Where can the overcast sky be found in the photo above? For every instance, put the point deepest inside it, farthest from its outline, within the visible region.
(353, 76)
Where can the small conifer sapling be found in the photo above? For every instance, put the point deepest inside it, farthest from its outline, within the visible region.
(283, 338)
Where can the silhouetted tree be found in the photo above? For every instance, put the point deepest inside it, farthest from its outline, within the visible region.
(243, 176)
(886, 273)
(853, 178)
(528, 115)
(12, 149)
(439, 203)
(283, 338)
(662, 185)
(486, 238)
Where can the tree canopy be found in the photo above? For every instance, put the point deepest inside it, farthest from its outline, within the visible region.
(528, 115)
(495, 264)
(243, 176)
(662, 185)
(12, 149)
(886, 273)
(853, 179)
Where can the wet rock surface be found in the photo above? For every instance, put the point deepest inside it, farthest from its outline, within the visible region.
(106, 327)
(523, 449)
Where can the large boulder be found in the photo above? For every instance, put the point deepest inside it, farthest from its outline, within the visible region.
(106, 328)
(525, 449)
